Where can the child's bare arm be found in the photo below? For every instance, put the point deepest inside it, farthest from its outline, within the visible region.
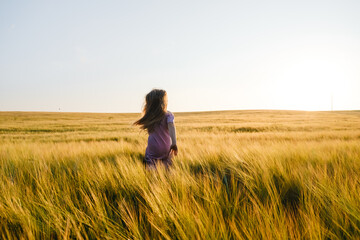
(172, 133)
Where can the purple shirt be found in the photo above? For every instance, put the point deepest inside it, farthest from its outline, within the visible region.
(159, 140)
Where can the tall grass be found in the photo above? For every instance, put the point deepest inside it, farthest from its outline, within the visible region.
(238, 175)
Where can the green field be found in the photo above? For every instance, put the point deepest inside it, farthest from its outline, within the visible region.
(238, 175)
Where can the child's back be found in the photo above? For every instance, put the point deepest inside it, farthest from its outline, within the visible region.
(161, 128)
(159, 141)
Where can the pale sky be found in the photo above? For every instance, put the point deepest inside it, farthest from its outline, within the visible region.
(104, 56)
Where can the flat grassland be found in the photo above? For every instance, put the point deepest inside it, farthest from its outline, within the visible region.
(238, 175)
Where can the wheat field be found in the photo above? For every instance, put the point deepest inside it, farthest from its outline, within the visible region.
(238, 175)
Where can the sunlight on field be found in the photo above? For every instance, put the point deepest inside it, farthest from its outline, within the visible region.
(238, 175)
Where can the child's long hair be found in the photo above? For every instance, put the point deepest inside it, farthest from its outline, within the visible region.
(154, 110)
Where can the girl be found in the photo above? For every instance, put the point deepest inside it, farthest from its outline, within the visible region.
(159, 124)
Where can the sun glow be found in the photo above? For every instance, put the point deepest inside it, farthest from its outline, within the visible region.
(311, 82)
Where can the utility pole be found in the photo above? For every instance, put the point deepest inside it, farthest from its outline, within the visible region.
(332, 101)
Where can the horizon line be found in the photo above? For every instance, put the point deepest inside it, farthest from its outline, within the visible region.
(200, 111)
